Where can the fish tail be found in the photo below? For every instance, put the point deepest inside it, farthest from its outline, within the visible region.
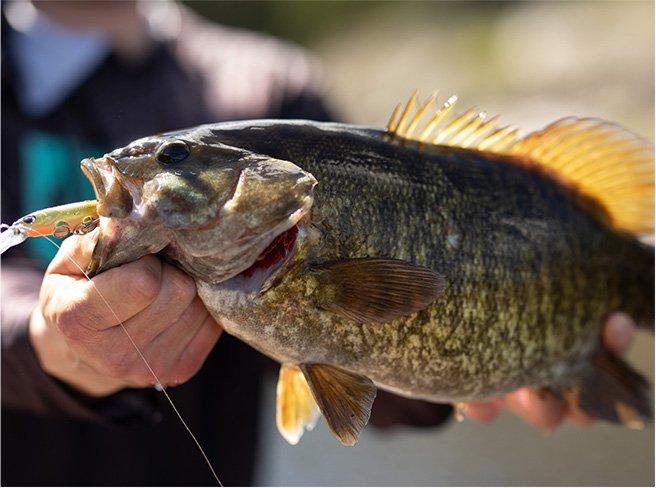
(603, 384)
(610, 389)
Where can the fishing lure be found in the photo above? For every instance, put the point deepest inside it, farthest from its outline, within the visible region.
(60, 221)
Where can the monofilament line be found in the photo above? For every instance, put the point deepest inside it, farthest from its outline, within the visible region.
(143, 358)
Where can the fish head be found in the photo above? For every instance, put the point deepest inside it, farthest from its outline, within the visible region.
(211, 207)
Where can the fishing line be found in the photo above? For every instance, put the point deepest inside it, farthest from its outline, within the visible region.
(159, 385)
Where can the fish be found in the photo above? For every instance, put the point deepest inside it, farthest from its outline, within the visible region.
(444, 258)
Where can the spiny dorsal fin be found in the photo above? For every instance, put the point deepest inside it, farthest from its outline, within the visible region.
(471, 129)
(597, 158)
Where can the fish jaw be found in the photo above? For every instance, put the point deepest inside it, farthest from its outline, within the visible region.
(126, 233)
(121, 241)
(118, 196)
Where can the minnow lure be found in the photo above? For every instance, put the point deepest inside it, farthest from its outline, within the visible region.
(60, 221)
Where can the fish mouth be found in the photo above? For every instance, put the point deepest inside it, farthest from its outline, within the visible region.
(116, 198)
(90, 169)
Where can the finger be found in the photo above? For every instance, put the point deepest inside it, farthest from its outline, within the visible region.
(574, 413)
(618, 332)
(194, 355)
(481, 411)
(74, 254)
(176, 294)
(112, 296)
(165, 350)
(176, 338)
(542, 410)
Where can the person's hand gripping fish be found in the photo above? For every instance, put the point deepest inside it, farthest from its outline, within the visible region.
(78, 340)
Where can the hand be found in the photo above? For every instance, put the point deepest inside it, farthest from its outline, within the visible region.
(544, 410)
(79, 341)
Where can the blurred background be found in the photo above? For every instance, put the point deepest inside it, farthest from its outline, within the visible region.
(532, 62)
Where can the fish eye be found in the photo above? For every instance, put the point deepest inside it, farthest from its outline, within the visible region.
(29, 219)
(173, 152)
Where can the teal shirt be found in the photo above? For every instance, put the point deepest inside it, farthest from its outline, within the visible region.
(51, 175)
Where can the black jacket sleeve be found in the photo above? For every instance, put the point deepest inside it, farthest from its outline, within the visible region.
(26, 386)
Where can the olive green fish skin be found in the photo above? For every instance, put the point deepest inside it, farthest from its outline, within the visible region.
(530, 269)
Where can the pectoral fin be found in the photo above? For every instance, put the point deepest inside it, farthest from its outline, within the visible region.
(345, 399)
(296, 409)
(375, 289)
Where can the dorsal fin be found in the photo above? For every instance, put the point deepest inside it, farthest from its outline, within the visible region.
(599, 159)
(472, 129)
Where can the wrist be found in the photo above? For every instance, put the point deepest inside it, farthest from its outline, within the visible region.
(57, 359)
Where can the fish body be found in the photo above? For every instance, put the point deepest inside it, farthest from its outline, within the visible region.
(452, 269)
(529, 274)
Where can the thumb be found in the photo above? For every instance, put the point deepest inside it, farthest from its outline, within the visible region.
(74, 253)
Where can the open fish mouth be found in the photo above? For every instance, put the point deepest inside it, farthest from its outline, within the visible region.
(117, 197)
(92, 172)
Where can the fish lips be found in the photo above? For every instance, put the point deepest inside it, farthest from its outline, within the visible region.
(90, 170)
(114, 200)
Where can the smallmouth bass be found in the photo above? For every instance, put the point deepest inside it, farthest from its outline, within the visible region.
(444, 261)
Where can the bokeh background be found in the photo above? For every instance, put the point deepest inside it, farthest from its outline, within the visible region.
(532, 62)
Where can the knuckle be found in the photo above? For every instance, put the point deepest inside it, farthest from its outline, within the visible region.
(71, 321)
(184, 288)
(145, 284)
(118, 365)
(71, 332)
(187, 369)
(76, 319)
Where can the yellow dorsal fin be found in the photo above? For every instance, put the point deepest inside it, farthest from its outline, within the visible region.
(601, 160)
(472, 129)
